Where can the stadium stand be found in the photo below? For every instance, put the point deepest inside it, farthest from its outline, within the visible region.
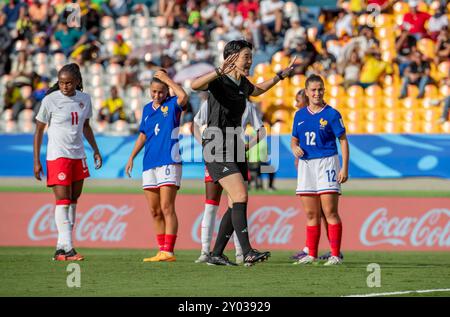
(365, 56)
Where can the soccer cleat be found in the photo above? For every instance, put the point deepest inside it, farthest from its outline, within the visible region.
(327, 255)
(239, 258)
(219, 260)
(333, 260)
(306, 260)
(253, 256)
(301, 254)
(153, 258)
(202, 258)
(162, 256)
(60, 255)
(72, 255)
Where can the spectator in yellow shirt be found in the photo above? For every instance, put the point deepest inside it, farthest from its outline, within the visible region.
(374, 69)
(120, 50)
(112, 108)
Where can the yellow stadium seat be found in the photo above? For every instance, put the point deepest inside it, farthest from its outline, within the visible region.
(445, 127)
(373, 115)
(410, 127)
(261, 69)
(353, 116)
(410, 103)
(400, 7)
(431, 115)
(372, 127)
(398, 19)
(362, 19)
(372, 102)
(388, 56)
(444, 69)
(386, 20)
(373, 91)
(390, 127)
(430, 127)
(410, 115)
(383, 32)
(354, 127)
(426, 47)
(431, 91)
(413, 91)
(336, 103)
(298, 80)
(390, 103)
(392, 115)
(422, 7)
(354, 103)
(355, 91)
(335, 79)
(337, 91)
(386, 44)
(444, 90)
(282, 115)
(391, 91)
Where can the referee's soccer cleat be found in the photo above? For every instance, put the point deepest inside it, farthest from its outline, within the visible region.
(60, 255)
(327, 255)
(219, 260)
(333, 260)
(202, 258)
(254, 256)
(72, 255)
(306, 260)
(301, 254)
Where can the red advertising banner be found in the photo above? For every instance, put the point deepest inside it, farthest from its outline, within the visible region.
(275, 222)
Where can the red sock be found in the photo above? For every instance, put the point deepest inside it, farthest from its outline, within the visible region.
(161, 239)
(335, 238)
(312, 239)
(169, 243)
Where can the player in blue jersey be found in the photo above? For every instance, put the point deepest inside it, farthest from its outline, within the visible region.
(162, 163)
(313, 142)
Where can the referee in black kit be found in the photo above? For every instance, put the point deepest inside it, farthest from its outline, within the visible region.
(223, 147)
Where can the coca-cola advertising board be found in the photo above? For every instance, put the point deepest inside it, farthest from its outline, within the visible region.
(275, 222)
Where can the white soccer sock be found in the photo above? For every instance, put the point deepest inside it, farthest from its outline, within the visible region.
(306, 250)
(208, 223)
(64, 228)
(237, 245)
(72, 214)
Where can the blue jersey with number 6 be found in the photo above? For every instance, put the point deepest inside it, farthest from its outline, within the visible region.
(317, 132)
(160, 127)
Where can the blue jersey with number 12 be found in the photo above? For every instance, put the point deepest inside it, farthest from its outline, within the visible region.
(160, 127)
(317, 132)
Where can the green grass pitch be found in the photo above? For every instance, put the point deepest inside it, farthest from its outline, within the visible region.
(28, 271)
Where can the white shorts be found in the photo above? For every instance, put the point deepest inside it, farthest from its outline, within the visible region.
(318, 176)
(166, 175)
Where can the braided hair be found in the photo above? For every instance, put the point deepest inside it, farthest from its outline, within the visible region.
(72, 68)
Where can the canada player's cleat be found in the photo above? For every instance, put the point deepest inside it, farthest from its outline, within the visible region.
(301, 254)
(203, 258)
(72, 255)
(327, 255)
(306, 260)
(333, 260)
(219, 260)
(254, 256)
(60, 255)
(153, 258)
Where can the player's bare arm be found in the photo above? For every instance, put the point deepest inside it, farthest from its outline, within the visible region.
(266, 85)
(89, 135)
(40, 127)
(227, 66)
(181, 94)
(343, 173)
(140, 142)
(295, 147)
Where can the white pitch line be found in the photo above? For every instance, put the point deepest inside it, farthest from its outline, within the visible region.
(401, 293)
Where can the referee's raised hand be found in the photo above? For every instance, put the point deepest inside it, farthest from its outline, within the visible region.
(287, 71)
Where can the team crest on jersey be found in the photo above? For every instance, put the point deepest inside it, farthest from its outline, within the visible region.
(61, 176)
(81, 104)
(165, 110)
(323, 123)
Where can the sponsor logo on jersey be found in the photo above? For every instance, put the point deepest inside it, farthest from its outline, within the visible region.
(165, 110)
(61, 176)
(323, 123)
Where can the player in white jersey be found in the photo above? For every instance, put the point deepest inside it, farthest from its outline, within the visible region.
(66, 110)
(314, 132)
(214, 190)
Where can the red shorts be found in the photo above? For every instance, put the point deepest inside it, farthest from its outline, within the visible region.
(208, 178)
(65, 171)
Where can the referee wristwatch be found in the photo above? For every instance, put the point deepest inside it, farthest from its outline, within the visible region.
(279, 75)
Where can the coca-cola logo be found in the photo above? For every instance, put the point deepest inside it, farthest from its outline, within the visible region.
(268, 224)
(103, 222)
(431, 229)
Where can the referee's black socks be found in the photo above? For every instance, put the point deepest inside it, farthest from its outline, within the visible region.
(239, 219)
(225, 231)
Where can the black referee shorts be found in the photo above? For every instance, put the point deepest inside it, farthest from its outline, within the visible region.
(218, 170)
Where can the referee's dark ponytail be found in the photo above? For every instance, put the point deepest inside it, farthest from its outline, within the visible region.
(72, 68)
